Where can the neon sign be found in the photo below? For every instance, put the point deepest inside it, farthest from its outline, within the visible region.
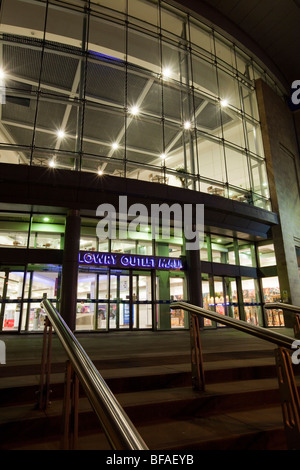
(118, 260)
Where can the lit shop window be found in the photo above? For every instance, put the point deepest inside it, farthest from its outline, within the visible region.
(271, 293)
(46, 240)
(251, 301)
(177, 294)
(13, 239)
(12, 294)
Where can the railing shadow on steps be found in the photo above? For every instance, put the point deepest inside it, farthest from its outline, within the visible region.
(118, 428)
(288, 391)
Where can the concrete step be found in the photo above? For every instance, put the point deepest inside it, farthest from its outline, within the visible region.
(239, 409)
(148, 409)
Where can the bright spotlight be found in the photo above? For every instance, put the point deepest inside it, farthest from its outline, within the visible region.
(60, 134)
(224, 103)
(134, 110)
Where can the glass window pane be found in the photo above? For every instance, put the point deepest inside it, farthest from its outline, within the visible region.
(177, 294)
(237, 168)
(233, 130)
(222, 249)
(123, 246)
(225, 52)
(207, 295)
(246, 254)
(251, 300)
(138, 43)
(211, 160)
(44, 284)
(271, 293)
(106, 38)
(229, 90)
(143, 10)
(266, 255)
(202, 38)
(231, 298)
(205, 76)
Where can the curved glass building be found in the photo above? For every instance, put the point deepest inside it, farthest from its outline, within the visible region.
(145, 99)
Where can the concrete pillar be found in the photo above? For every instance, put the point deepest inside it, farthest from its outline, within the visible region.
(68, 300)
(194, 280)
(164, 318)
(283, 168)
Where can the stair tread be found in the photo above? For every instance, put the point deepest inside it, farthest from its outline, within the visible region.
(137, 371)
(194, 433)
(26, 411)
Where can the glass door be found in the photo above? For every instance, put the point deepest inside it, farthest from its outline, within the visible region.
(119, 305)
(142, 300)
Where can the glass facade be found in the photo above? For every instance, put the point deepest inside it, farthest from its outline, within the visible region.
(134, 89)
(110, 298)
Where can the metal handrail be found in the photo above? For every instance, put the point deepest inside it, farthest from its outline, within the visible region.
(119, 430)
(258, 331)
(282, 306)
(288, 390)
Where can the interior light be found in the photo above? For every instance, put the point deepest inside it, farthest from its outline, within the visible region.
(163, 156)
(2, 73)
(134, 110)
(60, 134)
(115, 145)
(52, 163)
(187, 125)
(46, 219)
(224, 103)
(166, 73)
(100, 172)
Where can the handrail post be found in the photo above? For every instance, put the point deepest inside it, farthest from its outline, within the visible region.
(289, 398)
(44, 391)
(70, 409)
(297, 326)
(198, 380)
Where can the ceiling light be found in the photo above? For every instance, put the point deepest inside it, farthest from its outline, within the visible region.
(115, 145)
(46, 219)
(187, 125)
(52, 163)
(224, 103)
(134, 110)
(2, 74)
(167, 72)
(60, 134)
(163, 156)
(100, 172)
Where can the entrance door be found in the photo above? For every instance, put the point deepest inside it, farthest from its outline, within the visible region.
(130, 300)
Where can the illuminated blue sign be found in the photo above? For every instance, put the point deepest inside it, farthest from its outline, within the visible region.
(118, 260)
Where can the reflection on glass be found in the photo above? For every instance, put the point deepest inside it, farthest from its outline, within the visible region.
(177, 294)
(251, 301)
(271, 293)
(207, 296)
